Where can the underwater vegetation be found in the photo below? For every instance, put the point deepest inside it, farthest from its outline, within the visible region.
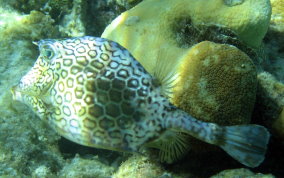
(217, 66)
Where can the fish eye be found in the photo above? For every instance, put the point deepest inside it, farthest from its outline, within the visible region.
(47, 52)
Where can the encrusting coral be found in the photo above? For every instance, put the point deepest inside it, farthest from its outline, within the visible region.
(26, 145)
(277, 16)
(242, 172)
(82, 167)
(270, 102)
(140, 167)
(153, 23)
(216, 83)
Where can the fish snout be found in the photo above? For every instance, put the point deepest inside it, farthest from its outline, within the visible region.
(16, 94)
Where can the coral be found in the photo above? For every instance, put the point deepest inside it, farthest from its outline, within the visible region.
(100, 14)
(274, 41)
(216, 83)
(42, 171)
(277, 16)
(127, 3)
(55, 8)
(72, 24)
(141, 167)
(81, 167)
(26, 142)
(33, 26)
(270, 102)
(58, 7)
(148, 30)
(271, 88)
(274, 50)
(25, 6)
(242, 172)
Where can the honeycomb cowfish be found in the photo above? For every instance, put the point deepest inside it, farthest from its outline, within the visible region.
(94, 92)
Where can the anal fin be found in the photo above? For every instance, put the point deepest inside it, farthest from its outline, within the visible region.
(172, 146)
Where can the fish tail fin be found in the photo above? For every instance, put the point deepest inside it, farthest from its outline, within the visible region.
(245, 143)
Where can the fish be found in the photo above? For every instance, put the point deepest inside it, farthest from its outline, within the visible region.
(92, 91)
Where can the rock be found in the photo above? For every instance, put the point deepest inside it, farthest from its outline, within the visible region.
(141, 167)
(242, 172)
(270, 102)
(80, 167)
(277, 16)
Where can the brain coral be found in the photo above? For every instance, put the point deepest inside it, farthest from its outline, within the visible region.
(148, 30)
(216, 83)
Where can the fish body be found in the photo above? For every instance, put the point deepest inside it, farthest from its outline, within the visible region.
(94, 92)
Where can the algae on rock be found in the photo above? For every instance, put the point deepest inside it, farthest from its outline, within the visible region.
(80, 167)
(277, 16)
(72, 24)
(270, 103)
(27, 143)
(141, 167)
(242, 172)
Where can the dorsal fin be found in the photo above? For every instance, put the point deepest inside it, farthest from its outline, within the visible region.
(166, 72)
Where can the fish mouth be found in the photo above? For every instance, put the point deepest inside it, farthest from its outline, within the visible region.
(16, 95)
(21, 95)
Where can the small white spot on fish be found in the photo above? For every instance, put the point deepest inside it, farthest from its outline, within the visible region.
(68, 97)
(66, 110)
(74, 123)
(61, 86)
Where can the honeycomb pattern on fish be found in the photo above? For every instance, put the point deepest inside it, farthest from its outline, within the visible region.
(97, 90)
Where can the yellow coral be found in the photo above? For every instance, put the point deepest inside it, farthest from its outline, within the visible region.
(277, 17)
(148, 30)
(216, 83)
